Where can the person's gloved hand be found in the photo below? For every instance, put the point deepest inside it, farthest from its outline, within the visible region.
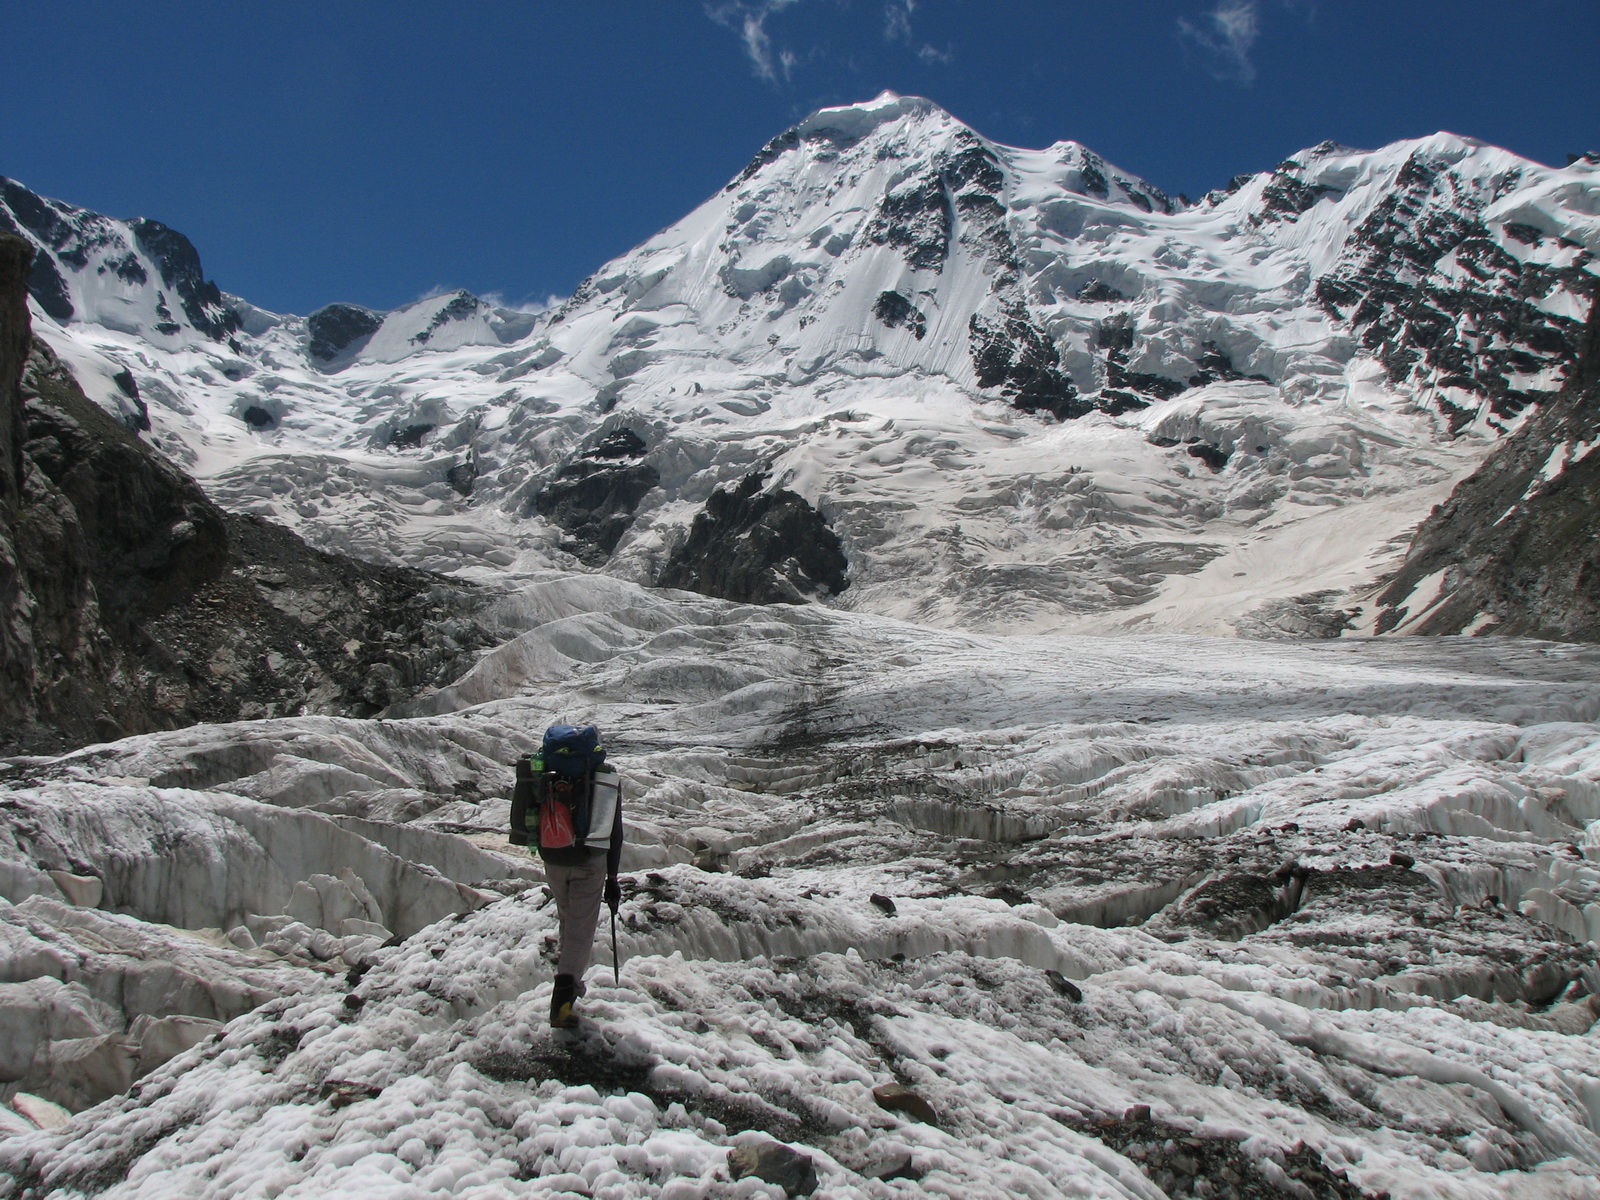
(613, 894)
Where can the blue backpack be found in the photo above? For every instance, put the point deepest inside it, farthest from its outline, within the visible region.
(558, 804)
(572, 751)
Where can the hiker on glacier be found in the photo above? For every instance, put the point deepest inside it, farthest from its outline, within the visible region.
(568, 803)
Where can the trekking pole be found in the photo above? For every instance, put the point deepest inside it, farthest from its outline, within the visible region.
(616, 959)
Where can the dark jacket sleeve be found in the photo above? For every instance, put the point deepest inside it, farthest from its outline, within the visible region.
(522, 802)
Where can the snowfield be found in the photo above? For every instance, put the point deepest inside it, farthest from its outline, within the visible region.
(1127, 913)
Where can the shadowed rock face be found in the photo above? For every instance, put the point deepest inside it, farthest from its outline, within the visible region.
(130, 602)
(33, 214)
(337, 327)
(593, 498)
(16, 649)
(1515, 542)
(758, 548)
(14, 339)
(149, 532)
(99, 536)
(179, 263)
(1482, 328)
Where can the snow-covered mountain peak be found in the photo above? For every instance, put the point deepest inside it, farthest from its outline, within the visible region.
(886, 316)
(857, 120)
(138, 277)
(877, 238)
(338, 334)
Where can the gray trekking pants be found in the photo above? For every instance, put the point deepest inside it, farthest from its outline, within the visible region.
(578, 891)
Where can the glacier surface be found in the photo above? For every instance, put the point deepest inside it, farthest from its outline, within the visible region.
(1323, 903)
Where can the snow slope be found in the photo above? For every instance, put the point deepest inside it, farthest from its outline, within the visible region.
(1028, 390)
(1326, 905)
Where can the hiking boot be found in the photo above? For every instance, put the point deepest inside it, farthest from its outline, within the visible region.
(562, 996)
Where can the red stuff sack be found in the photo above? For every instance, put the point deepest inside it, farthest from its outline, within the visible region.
(555, 825)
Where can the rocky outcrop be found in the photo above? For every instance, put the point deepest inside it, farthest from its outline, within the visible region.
(287, 629)
(1513, 549)
(130, 602)
(1443, 297)
(895, 310)
(1013, 355)
(336, 328)
(594, 496)
(179, 264)
(758, 547)
(16, 640)
(1312, 615)
(919, 217)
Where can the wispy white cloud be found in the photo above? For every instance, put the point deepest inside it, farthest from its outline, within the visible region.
(748, 18)
(897, 20)
(775, 63)
(897, 28)
(527, 304)
(1225, 37)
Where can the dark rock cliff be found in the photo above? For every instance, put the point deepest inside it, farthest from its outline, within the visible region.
(129, 602)
(593, 497)
(335, 328)
(758, 547)
(16, 635)
(149, 533)
(179, 263)
(1515, 547)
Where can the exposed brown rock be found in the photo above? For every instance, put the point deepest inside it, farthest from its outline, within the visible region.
(896, 1097)
(129, 602)
(774, 1162)
(1518, 551)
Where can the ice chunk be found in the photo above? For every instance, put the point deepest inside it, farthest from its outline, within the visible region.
(43, 1113)
(162, 1038)
(85, 891)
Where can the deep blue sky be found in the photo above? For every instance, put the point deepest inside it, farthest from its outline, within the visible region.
(373, 151)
